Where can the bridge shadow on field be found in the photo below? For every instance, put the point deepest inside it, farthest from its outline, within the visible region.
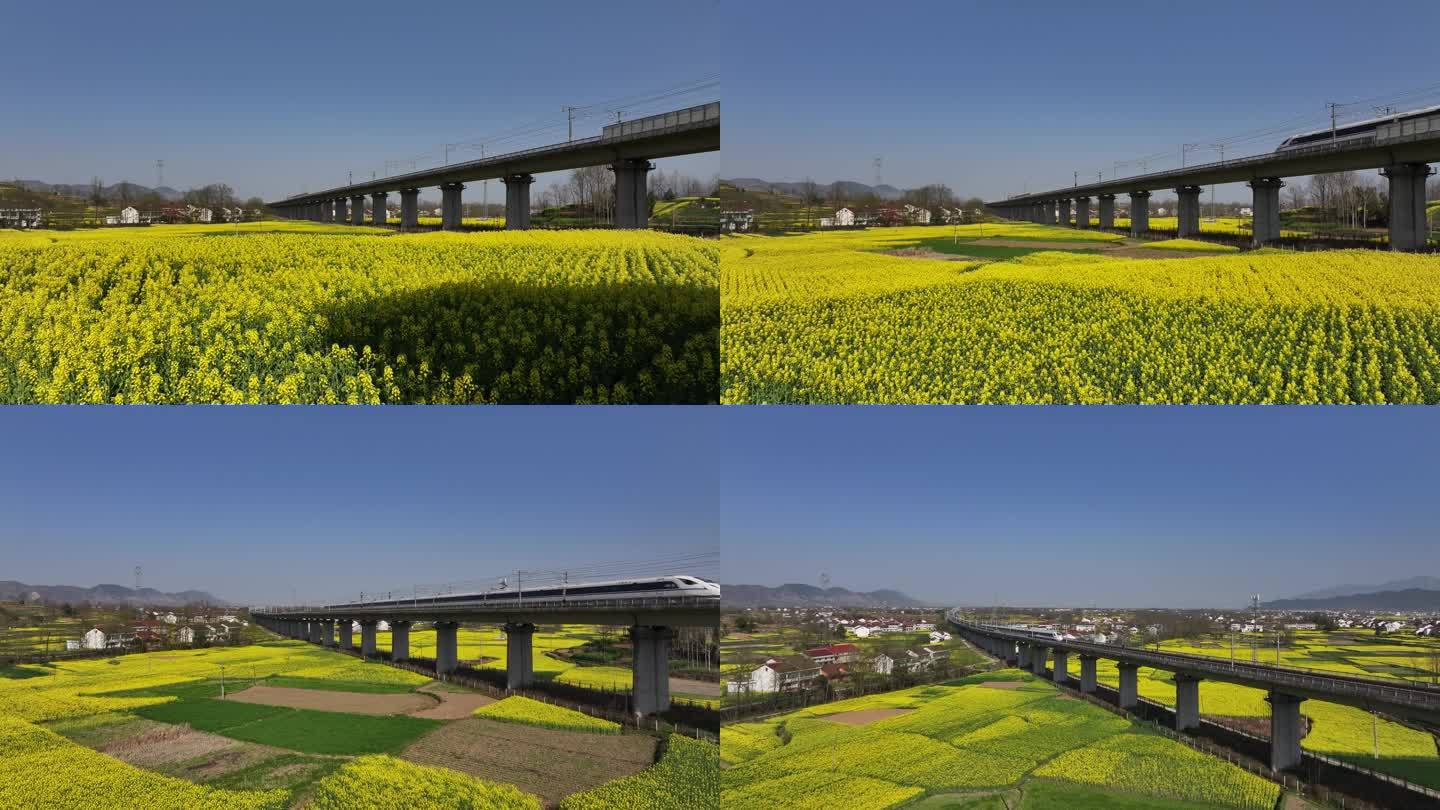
(504, 341)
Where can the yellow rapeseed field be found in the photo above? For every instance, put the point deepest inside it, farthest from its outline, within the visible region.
(833, 318)
(578, 316)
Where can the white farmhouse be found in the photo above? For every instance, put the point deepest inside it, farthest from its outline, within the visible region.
(844, 217)
(780, 675)
(883, 664)
(170, 618)
(94, 639)
(186, 635)
(129, 216)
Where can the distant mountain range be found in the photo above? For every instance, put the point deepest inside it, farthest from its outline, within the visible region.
(1425, 583)
(83, 189)
(103, 594)
(850, 189)
(1406, 599)
(797, 595)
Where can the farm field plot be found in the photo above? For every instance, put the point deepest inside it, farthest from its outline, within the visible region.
(152, 728)
(294, 314)
(963, 739)
(549, 763)
(837, 318)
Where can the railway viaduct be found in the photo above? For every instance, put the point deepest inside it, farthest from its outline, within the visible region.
(1288, 687)
(1401, 151)
(651, 621)
(627, 147)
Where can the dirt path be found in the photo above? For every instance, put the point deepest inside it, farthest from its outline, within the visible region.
(864, 717)
(453, 705)
(327, 701)
(689, 687)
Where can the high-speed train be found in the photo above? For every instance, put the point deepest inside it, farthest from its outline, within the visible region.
(1375, 130)
(672, 586)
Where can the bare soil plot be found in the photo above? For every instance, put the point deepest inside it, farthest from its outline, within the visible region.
(162, 744)
(548, 763)
(1002, 684)
(454, 705)
(864, 717)
(327, 701)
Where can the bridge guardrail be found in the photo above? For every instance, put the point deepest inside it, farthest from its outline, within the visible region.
(1415, 694)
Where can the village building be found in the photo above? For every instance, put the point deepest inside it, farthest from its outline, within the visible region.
(784, 674)
(835, 653)
(94, 639)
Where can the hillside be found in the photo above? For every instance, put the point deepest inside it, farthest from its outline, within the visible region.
(1408, 599)
(797, 595)
(103, 594)
(112, 191)
(850, 189)
(1428, 583)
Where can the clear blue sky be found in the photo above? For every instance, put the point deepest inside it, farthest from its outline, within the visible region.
(249, 502)
(992, 96)
(271, 97)
(1080, 506)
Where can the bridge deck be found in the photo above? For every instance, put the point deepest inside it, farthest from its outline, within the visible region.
(686, 611)
(1417, 700)
(1319, 159)
(691, 137)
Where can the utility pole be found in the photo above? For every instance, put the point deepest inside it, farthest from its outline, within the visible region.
(484, 190)
(1077, 178)
(159, 173)
(1185, 150)
(1333, 109)
(570, 123)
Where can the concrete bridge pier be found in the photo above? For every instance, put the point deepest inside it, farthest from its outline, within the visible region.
(378, 212)
(1087, 674)
(1047, 212)
(1285, 729)
(517, 201)
(519, 655)
(317, 636)
(1188, 213)
(1022, 659)
(1062, 212)
(1107, 211)
(1266, 205)
(399, 641)
(1037, 659)
(632, 204)
(409, 209)
(1129, 691)
(341, 211)
(447, 649)
(1408, 227)
(347, 635)
(1187, 702)
(651, 669)
(1061, 673)
(367, 638)
(1139, 212)
(357, 210)
(327, 633)
(450, 206)
(1082, 212)
(327, 211)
